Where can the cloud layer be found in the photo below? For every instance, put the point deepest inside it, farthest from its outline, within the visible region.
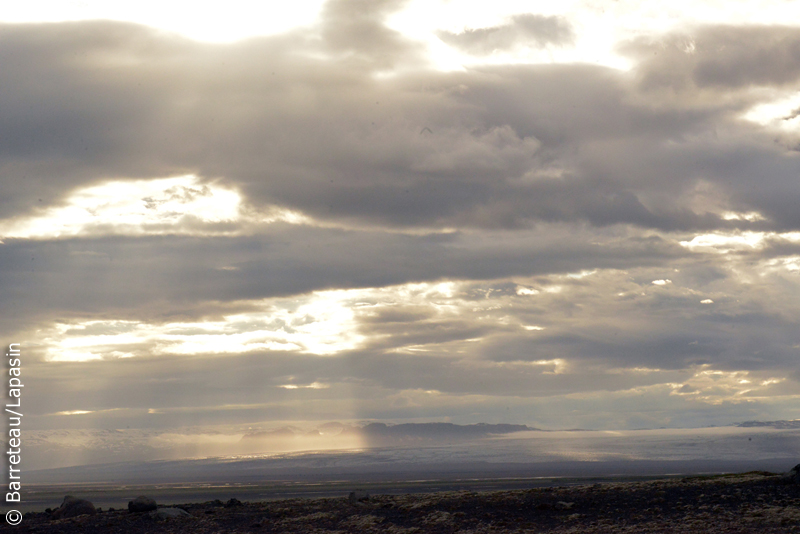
(197, 233)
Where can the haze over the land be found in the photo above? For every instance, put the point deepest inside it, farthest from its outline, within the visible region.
(412, 451)
(577, 215)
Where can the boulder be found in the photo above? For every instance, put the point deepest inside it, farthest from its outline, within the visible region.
(233, 502)
(358, 496)
(168, 513)
(72, 507)
(793, 476)
(142, 503)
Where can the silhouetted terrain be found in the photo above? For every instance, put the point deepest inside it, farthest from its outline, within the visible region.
(750, 502)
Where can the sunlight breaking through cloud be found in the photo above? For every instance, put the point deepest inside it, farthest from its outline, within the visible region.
(181, 205)
(716, 387)
(203, 21)
(722, 243)
(573, 214)
(178, 205)
(321, 324)
(782, 113)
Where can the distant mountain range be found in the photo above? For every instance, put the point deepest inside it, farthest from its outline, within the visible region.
(781, 425)
(381, 434)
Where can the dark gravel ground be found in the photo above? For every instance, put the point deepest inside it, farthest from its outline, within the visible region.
(750, 502)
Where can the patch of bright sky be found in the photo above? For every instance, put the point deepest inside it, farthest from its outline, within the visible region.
(327, 323)
(128, 207)
(177, 205)
(556, 366)
(716, 387)
(582, 274)
(782, 112)
(750, 216)
(321, 323)
(313, 385)
(203, 20)
(723, 243)
(780, 265)
(526, 291)
(324, 323)
(598, 25)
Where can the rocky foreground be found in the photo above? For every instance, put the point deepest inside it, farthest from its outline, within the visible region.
(750, 502)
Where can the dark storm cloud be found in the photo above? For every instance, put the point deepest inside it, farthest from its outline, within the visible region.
(501, 147)
(522, 30)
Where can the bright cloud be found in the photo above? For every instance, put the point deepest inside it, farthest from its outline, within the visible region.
(180, 205)
(323, 325)
(136, 207)
(204, 21)
(781, 113)
(718, 387)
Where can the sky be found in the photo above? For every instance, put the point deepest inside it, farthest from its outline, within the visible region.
(580, 214)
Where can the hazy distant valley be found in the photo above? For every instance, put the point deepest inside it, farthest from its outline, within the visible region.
(334, 450)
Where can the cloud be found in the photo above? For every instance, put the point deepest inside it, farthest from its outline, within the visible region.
(356, 29)
(522, 30)
(172, 275)
(157, 206)
(454, 341)
(322, 207)
(289, 121)
(723, 57)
